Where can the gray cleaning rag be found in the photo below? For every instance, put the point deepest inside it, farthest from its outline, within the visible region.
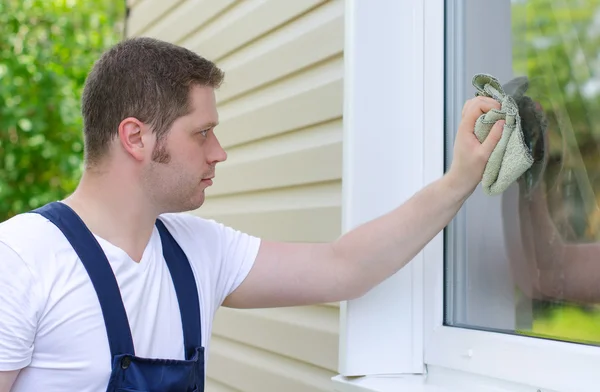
(511, 157)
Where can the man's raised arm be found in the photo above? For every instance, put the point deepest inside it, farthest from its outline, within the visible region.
(289, 274)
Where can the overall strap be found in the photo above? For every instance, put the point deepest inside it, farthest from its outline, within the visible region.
(185, 288)
(101, 274)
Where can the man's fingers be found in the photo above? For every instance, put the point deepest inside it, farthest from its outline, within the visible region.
(493, 138)
(475, 108)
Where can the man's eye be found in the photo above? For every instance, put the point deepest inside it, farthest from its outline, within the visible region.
(204, 133)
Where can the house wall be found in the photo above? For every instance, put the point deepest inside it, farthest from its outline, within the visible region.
(281, 124)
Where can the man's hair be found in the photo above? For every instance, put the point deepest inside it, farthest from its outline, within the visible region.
(143, 78)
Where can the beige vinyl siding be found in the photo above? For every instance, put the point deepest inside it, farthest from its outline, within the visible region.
(281, 123)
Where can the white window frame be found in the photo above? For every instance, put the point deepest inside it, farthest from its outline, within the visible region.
(397, 329)
(376, 149)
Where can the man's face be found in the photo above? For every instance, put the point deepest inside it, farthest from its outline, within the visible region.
(183, 161)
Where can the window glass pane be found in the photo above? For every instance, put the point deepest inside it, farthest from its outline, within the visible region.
(528, 261)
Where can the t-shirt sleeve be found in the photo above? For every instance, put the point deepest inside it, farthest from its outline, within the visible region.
(222, 255)
(239, 252)
(19, 299)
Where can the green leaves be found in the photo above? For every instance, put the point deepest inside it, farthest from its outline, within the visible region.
(47, 47)
(556, 44)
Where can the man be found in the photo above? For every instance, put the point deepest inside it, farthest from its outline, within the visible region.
(150, 152)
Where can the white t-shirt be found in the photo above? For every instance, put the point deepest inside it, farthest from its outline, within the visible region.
(51, 323)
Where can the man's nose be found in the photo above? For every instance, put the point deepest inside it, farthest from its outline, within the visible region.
(217, 153)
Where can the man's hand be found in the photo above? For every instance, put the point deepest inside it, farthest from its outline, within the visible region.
(471, 156)
(302, 274)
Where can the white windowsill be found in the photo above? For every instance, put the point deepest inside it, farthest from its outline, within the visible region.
(414, 383)
(437, 380)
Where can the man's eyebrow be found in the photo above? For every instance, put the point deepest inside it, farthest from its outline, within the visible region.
(207, 126)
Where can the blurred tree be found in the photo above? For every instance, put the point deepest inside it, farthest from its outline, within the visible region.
(47, 48)
(556, 44)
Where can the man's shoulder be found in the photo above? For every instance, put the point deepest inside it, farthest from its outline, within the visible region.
(190, 228)
(29, 235)
(186, 227)
(185, 221)
(27, 227)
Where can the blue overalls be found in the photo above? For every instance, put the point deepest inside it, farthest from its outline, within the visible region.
(129, 372)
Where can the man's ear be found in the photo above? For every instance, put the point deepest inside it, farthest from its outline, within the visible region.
(133, 135)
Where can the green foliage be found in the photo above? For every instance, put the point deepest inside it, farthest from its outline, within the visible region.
(556, 44)
(568, 323)
(47, 47)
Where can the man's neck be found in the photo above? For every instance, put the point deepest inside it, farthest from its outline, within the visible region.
(115, 210)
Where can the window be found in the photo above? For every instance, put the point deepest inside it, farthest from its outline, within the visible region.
(521, 270)
(528, 261)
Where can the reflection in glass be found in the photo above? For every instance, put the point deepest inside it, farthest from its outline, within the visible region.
(550, 220)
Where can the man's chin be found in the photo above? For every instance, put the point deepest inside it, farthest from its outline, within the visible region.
(188, 205)
(197, 201)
